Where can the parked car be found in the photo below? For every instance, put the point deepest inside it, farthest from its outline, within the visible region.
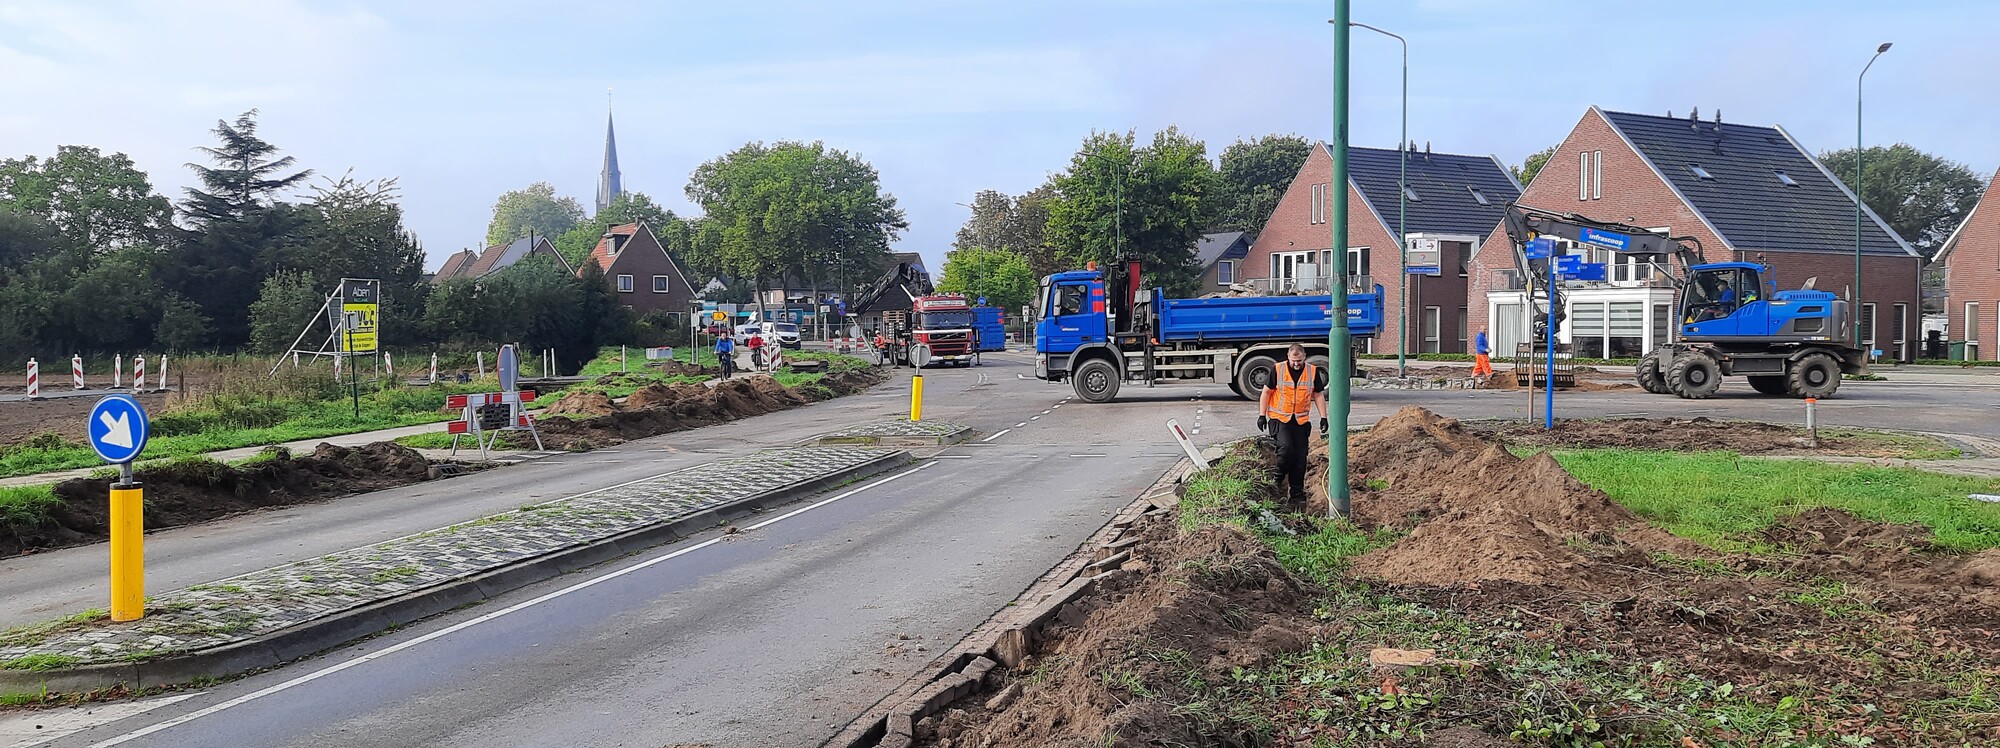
(744, 331)
(785, 333)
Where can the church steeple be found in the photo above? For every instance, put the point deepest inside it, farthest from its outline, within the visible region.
(609, 187)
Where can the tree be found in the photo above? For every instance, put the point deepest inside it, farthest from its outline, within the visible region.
(629, 207)
(1922, 196)
(1161, 188)
(100, 202)
(794, 211)
(1254, 174)
(182, 328)
(244, 175)
(284, 307)
(535, 209)
(26, 237)
(1532, 165)
(1000, 276)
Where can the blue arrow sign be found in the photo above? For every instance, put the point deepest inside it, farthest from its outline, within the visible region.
(1539, 247)
(1566, 264)
(1588, 271)
(118, 429)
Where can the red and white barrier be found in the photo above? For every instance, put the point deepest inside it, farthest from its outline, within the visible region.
(389, 364)
(76, 370)
(117, 371)
(336, 367)
(138, 373)
(434, 368)
(163, 372)
(34, 379)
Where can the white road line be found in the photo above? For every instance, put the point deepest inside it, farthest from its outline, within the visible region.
(1002, 432)
(1089, 455)
(952, 457)
(1019, 425)
(1034, 418)
(372, 656)
(1046, 412)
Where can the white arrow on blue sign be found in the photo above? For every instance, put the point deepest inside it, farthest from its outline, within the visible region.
(118, 429)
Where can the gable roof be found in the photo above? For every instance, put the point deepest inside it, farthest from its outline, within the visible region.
(1951, 242)
(467, 264)
(1443, 183)
(601, 255)
(455, 265)
(1227, 245)
(1743, 199)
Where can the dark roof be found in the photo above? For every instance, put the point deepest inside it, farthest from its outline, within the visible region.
(1443, 183)
(1228, 245)
(1745, 201)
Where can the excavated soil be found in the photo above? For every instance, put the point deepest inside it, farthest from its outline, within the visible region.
(187, 492)
(659, 409)
(1681, 434)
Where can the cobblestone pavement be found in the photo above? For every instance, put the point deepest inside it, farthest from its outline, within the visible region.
(898, 427)
(260, 602)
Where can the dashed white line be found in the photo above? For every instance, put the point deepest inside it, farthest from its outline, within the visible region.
(1089, 455)
(1019, 425)
(1003, 432)
(1034, 418)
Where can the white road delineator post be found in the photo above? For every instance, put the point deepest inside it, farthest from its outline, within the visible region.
(434, 368)
(163, 374)
(34, 380)
(76, 370)
(480, 359)
(389, 365)
(117, 371)
(1812, 424)
(1187, 445)
(139, 373)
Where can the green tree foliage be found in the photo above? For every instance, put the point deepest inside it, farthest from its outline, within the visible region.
(102, 202)
(239, 227)
(794, 211)
(534, 209)
(1920, 195)
(533, 303)
(244, 175)
(630, 207)
(1532, 165)
(287, 302)
(182, 328)
(1016, 224)
(1001, 276)
(1253, 175)
(1162, 189)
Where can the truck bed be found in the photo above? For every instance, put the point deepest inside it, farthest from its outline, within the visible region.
(1261, 318)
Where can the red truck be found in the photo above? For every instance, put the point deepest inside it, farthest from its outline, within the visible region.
(943, 324)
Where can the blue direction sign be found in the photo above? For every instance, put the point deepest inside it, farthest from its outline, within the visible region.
(1567, 264)
(1581, 271)
(1539, 247)
(118, 429)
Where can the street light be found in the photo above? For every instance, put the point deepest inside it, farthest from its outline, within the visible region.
(1402, 200)
(1339, 340)
(1869, 354)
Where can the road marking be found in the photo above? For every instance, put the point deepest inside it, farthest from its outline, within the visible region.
(1089, 455)
(455, 628)
(1034, 418)
(1057, 405)
(1003, 432)
(1019, 425)
(952, 457)
(1046, 412)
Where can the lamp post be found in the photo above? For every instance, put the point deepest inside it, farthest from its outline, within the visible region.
(1402, 211)
(1868, 354)
(1339, 341)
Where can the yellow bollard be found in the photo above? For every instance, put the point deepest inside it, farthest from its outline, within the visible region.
(917, 398)
(128, 555)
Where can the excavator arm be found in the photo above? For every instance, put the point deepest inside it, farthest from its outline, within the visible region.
(1524, 223)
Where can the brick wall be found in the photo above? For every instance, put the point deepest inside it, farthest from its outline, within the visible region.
(1973, 274)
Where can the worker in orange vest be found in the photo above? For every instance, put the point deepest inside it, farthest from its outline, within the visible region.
(1296, 389)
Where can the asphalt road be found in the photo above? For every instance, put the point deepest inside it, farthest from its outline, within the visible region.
(778, 636)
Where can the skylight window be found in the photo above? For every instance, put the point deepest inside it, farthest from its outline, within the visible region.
(1477, 195)
(1786, 178)
(1701, 173)
(1411, 193)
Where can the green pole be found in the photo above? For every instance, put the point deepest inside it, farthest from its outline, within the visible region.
(1339, 341)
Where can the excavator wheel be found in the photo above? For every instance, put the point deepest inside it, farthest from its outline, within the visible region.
(1694, 376)
(1814, 375)
(1649, 375)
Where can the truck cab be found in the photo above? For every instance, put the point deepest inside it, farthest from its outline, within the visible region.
(1072, 317)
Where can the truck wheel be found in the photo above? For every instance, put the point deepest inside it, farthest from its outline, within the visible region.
(1694, 376)
(1770, 384)
(1096, 381)
(1649, 375)
(1813, 375)
(1325, 364)
(1254, 375)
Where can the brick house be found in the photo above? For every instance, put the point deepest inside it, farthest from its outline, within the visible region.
(1453, 202)
(467, 264)
(1971, 261)
(1748, 193)
(641, 273)
(1220, 256)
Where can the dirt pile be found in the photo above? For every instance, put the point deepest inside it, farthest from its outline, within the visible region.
(1191, 608)
(1680, 434)
(1506, 381)
(189, 491)
(660, 409)
(582, 403)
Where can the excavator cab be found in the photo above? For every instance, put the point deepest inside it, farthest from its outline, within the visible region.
(1717, 292)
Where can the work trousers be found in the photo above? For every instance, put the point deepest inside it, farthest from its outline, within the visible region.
(1294, 443)
(1482, 365)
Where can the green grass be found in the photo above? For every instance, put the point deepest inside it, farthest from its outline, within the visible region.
(429, 440)
(40, 662)
(27, 506)
(1722, 499)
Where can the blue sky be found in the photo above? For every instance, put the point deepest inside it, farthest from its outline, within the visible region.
(464, 100)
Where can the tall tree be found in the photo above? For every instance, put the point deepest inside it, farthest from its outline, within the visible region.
(244, 176)
(1532, 165)
(1153, 197)
(1000, 276)
(1920, 195)
(1016, 224)
(534, 209)
(101, 202)
(1253, 175)
(629, 207)
(794, 211)
(285, 304)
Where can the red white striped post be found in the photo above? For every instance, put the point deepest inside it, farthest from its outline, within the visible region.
(34, 379)
(336, 367)
(138, 373)
(76, 370)
(163, 372)
(117, 371)
(389, 364)
(434, 368)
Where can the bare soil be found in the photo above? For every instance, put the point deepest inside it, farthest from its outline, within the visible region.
(66, 416)
(1685, 434)
(186, 492)
(592, 421)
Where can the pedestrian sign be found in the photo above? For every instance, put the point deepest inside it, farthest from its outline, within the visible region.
(118, 429)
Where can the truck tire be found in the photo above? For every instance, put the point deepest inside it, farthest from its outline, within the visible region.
(1096, 381)
(1814, 375)
(1649, 375)
(1694, 376)
(1770, 384)
(1325, 364)
(1254, 375)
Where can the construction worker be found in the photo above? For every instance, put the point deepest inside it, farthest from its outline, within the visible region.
(1482, 362)
(882, 346)
(1296, 389)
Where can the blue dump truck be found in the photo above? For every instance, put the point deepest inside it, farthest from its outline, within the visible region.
(991, 328)
(1090, 339)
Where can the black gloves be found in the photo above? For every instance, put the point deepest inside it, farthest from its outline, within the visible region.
(1322, 426)
(1264, 424)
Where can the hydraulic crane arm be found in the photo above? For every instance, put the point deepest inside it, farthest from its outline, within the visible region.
(1524, 223)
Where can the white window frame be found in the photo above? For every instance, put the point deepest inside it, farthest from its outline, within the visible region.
(1433, 328)
(1900, 313)
(1225, 272)
(1582, 175)
(1596, 174)
(1971, 321)
(1868, 316)
(624, 283)
(1318, 204)
(660, 284)
(1463, 322)
(1284, 266)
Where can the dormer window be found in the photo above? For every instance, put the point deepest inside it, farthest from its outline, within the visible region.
(1477, 196)
(1411, 194)
(1786, 179)
(1700, 173)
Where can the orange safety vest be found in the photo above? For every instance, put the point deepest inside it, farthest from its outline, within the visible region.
(1291, 399)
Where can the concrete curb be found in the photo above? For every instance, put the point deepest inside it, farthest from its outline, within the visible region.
(941, 440)
(1011, 634)
(310, 637)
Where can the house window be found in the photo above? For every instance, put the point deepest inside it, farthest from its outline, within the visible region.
(1663, 325)
(1411, 193)
(1634, 267)
(1596, 174)
(1583, 175)
(1971, 335)
(1318, 204)
(1627, 333)
(1477, 196)
(1700, 173)
(1586, 328)
(1461, 330)
(659, 284)
(1786, 179)
(1901, 320)
(1225, 272)
(624, 283)
(1868, 324)
(1357, 261)
(1433, 317)
(1285, 267)
(1464, 257)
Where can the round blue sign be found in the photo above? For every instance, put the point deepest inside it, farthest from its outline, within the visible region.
(118, 428)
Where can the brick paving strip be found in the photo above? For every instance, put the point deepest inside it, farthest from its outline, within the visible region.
(899, 431)
(274, 615)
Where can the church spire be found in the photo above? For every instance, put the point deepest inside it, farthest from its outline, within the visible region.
(609, 187)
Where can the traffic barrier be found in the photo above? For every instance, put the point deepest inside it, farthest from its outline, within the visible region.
(434, 368)
(117, 371)
(336, 368)
(34, 379)
(138, 373)
(163, 374)
(389, 364)
(76, 370)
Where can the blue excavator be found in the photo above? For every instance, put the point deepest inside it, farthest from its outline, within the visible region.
(1731, 321)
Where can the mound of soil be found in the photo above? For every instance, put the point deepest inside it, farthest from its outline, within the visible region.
(1194, 605)
(661, 409)
(187, 492)
(1506, 381)
(1679, 434)
(582, 403)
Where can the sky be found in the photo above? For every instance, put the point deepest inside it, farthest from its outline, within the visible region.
(461, 101)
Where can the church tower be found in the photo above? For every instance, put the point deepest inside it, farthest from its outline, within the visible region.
(609, 187)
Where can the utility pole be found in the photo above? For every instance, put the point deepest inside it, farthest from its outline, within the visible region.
(1402, 213)
(1339, 340)
(1867, 353)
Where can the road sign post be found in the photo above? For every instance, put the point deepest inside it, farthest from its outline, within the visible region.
(118, 430)
(351, 320)
(917, 396)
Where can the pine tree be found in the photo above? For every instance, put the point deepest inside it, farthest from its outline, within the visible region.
(244, 175)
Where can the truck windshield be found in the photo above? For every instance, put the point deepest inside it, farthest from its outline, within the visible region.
(947, 320)
(1042, 299)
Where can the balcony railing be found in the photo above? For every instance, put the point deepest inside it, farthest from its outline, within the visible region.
(1307, 285)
